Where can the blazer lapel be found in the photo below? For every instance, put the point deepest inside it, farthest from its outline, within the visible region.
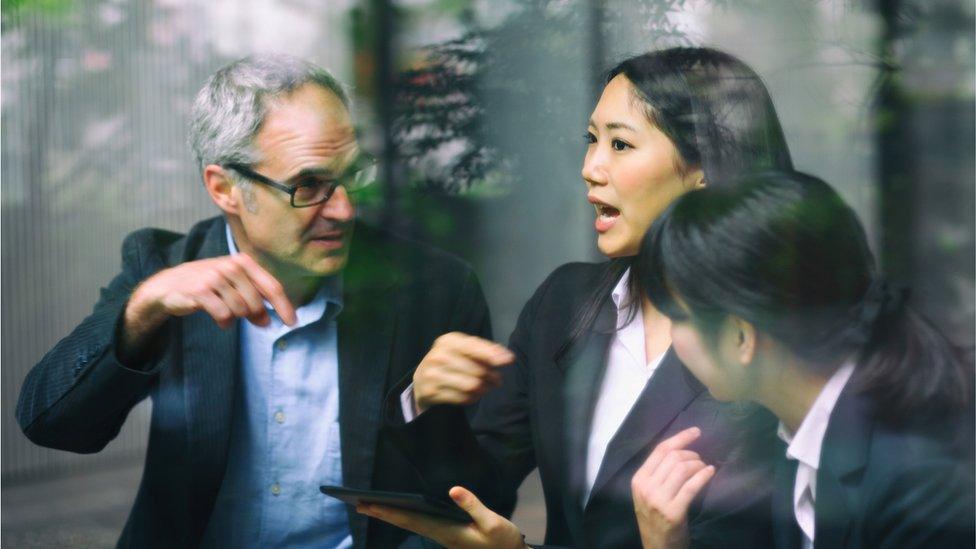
(668, 392)
(364, 355)
(844, 453)
(583, 364)
(833, 519)
(786, 532)
(210, 371)
(366, 329)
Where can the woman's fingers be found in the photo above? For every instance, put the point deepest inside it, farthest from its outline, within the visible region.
(693, 486)
(669, 462)
(458, 369)
(488, 529)
(678, 475)
(418, 523)
(483, 516)
(480, 350)
(675, 442)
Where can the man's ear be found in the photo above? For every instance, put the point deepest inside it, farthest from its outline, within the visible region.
(746, 340)
(221, 189)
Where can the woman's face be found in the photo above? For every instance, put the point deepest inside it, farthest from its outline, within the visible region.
(714, 361)
(630, 170)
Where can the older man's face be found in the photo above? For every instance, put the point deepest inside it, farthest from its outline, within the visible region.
(308, 129)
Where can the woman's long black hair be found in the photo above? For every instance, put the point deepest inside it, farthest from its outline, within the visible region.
(717, 112)
(783, 251)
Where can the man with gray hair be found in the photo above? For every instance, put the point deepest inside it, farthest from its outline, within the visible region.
(267, 338)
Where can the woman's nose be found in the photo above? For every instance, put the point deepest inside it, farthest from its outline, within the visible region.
(594, 171)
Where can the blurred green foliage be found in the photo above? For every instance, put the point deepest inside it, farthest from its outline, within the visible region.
(16, 8)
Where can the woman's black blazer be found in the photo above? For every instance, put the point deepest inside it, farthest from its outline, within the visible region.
(881, 487)
(540, 417)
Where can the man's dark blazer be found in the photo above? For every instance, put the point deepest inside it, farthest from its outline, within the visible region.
(541, 415)
(880, 487)
(398, 297)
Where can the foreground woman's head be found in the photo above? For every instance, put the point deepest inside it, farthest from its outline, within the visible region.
(778, 260)
(669, 122)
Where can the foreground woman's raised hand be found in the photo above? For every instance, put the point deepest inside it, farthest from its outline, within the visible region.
(487, 529)
(663, 489)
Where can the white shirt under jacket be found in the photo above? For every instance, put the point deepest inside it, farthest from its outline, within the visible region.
(626, 375)
(804, 446)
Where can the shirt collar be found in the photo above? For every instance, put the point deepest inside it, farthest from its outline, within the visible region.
(621, 292)
(329, 293)
(805, 444)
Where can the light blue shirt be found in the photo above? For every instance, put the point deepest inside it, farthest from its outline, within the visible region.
(285, 438)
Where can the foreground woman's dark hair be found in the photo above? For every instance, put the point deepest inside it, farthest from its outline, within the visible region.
(783, 251)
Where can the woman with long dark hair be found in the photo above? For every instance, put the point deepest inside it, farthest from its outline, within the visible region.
(774, 298)
(588, 385)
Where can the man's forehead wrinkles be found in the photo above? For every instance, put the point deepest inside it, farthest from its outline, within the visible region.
(326, 145)
(329, 149)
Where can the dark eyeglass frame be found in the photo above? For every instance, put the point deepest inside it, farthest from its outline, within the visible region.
(363, 163)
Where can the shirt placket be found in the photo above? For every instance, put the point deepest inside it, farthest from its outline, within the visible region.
(275, 491)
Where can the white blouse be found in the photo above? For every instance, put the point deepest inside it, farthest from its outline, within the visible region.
(624, 379)
(804, 446)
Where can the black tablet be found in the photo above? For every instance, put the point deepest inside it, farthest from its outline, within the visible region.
(410, 502)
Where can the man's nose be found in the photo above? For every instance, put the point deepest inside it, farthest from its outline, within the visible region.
(338, 207)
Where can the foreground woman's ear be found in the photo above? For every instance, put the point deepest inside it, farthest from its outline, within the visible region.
(746, 338)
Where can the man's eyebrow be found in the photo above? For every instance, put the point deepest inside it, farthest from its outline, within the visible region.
(314, 170)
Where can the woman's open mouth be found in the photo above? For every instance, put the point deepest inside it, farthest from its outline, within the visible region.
(606, 216)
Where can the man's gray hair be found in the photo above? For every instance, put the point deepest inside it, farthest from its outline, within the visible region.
(229, 110)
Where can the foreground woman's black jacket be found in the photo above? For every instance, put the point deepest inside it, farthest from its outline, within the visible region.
(541, 416)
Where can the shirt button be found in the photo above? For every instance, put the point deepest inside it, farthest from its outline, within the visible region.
(279, 417)
(282, 344)
(275, 489)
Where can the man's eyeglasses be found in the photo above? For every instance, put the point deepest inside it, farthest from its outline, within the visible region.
(315, 186)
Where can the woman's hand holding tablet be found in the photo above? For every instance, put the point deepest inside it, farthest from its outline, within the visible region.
(487, 529)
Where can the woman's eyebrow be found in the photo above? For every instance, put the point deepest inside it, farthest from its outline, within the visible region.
(613, 126)
(619, 126)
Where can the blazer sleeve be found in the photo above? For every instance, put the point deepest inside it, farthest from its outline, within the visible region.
(487, 448)
(78, 396)
(929, 505)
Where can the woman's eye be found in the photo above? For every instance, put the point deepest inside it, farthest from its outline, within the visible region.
(589, 138)
(619, 145)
